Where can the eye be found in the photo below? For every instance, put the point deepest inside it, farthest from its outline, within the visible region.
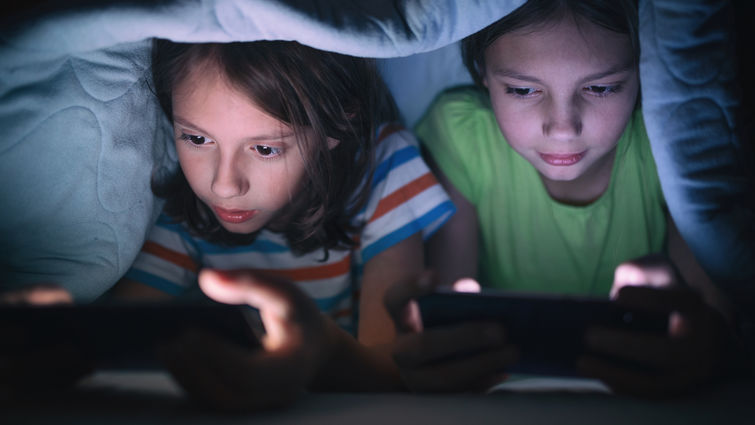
(267, 151)
(522, 91)
(194, 139)
(601, 91)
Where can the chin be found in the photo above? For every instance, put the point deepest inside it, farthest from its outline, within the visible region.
(561, 175)
(241, 229)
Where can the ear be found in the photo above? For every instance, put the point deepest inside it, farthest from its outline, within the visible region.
(485, 81)
(332, 143)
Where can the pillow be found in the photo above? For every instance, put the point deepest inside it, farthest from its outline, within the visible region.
(82, 137)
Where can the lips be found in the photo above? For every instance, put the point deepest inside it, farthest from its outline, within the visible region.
(234, 216)
(562, 160)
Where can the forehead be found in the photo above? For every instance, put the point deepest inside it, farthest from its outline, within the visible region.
(200, 77)
(205, 98)
(567, 43)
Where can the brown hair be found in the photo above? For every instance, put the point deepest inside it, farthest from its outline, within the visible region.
(615, 15)
(329, 94)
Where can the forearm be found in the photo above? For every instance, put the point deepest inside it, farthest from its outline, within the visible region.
(352, 366)
(453, 250)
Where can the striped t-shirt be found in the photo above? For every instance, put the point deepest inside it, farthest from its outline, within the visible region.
(405, 198)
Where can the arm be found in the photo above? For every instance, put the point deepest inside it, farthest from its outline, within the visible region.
(466, 356)
(399, 263)
(469, 356)
(302, 349)
(452, 250)
(699, 345)
(366, 364)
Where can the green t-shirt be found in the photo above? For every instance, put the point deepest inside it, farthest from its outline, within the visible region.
(528, 241)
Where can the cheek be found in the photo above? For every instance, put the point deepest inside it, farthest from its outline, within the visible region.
(514, 120)
(610, 121)
(515, 127)
(278, 183)
(612, 117)
(292, 175)
(196, 169)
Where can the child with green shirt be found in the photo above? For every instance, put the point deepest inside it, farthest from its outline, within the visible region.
(549, 166)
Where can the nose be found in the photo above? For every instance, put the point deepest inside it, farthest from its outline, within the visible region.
(230, 179)
(563, 119)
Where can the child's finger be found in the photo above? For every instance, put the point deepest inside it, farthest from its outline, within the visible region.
(467, 285)
(448, 341)
(37, 294)
(247, 370)
(232, 378)
(218, 355)
(399, 302)
(659, 300)
(474, 372)
(628, 381)
(270, 294)
(281, 308)
(641, 348)
(651, 271)
(247, 287)
(195, 377)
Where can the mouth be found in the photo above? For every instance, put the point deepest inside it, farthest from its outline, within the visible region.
(562, 159)
(234, 216)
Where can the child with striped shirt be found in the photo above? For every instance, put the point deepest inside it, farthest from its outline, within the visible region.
(291, 170)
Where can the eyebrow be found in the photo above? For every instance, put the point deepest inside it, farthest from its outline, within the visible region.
(504, 72)
(259, 138)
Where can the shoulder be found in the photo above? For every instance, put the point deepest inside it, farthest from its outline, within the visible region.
(461, 97)
(457, 116)
(397, 155)
(392, 137)
(174, 234)
(457, 105)
(404, 196)
(168, 222)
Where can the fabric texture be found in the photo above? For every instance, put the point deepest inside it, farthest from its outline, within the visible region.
(405, 199)
(528, 241)
(690, 102)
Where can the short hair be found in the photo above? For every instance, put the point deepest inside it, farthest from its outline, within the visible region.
(616, 15)
(330, 94)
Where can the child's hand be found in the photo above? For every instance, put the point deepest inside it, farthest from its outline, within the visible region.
(37, 294)
(670, 364)
(651, 270)
(40, 371)
(231, 378)
(464, 357)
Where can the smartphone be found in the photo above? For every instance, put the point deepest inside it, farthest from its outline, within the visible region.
(123, 335)
(549, 330)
